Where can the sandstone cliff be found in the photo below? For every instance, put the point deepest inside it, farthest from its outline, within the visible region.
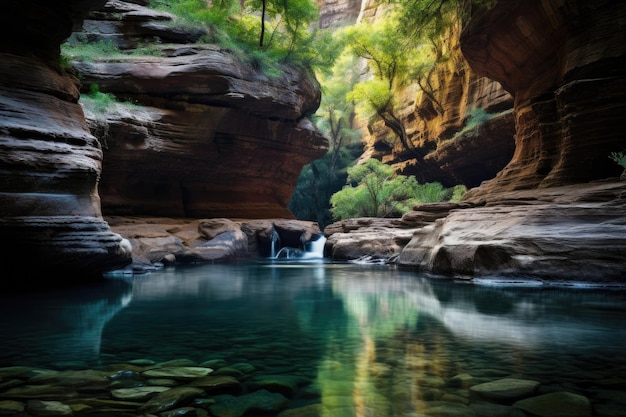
(199, 135)
(556, 211)
(50, 217)
(207, 135)
(447, 144)
(563, 61)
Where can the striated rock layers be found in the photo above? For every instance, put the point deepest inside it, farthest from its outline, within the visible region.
(195, 133)
(459, 123)
(206, 134)
(557, 210)
(50, 217)
(564, 61)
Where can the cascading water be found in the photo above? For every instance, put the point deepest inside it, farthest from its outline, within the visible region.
(313, 249)
(275, 243)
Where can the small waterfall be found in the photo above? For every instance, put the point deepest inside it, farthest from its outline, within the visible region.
(275, 243)
(314, 249)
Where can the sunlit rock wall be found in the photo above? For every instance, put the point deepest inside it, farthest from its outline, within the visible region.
(338, 12)
(206, 135)
(564, 61)
(444, 147)
(50, 163)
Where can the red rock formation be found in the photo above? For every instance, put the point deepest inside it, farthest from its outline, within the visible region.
(50, 217)
(542, 215)
(209, 136)
(564, 63)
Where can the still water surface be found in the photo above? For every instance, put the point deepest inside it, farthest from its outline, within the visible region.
(367, 334)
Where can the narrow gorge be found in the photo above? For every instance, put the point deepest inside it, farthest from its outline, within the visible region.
(198, 160)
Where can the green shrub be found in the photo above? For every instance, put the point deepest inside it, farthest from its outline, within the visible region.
(374, 190)
(96, 101)
(619, 158)
(79, 49)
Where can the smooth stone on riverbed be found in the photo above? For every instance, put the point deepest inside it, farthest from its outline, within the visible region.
(137, 393)
(181, 372)
(48, 408)
(263, 400)
(284, 384)
(171, 398)
(556, 404)
(506, 389)
(218, 384)
(446, 409)
(11, 407)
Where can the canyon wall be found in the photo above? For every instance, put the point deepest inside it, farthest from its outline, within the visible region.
(563, 61)
(556, 211)
(50, 163)
(194, 132)
(203, 133)
(448, 143)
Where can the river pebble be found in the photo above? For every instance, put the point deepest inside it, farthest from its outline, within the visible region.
(216, 388)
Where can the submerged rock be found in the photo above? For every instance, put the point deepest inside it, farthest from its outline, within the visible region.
(506, 389)
(556, 404)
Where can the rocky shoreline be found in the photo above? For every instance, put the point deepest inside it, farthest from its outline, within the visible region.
(573, 233)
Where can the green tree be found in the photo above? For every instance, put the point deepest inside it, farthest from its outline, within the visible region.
(374, 190)
(322, 178)
(269, 32)
(386, 54)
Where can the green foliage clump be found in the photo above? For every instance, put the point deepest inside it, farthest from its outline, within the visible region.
(619, 158)
(97, 101)
(267, 33)
(80, 49)
(318, 181)
(374, 190)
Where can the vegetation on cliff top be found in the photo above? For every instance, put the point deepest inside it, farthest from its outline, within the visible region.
(266, 33)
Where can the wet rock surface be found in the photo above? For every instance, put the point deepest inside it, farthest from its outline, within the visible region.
(575, 233)
(157, 241)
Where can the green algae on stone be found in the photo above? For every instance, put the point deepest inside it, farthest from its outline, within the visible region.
(11, 407)
(182, 372)
(556, 404)
(171, 398)
(40, 392)
(506, 389)
(137, 393)
(48, 408)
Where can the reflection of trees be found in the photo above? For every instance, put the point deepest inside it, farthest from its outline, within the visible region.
(408, 336)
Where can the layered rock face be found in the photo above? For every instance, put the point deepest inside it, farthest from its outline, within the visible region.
(338, 12)
(207, 135)
(50, 216)
(460, 125)
(563, 61)
(557, 210)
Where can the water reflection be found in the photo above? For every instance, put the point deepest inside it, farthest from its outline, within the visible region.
(367, 337)
(59, 326)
